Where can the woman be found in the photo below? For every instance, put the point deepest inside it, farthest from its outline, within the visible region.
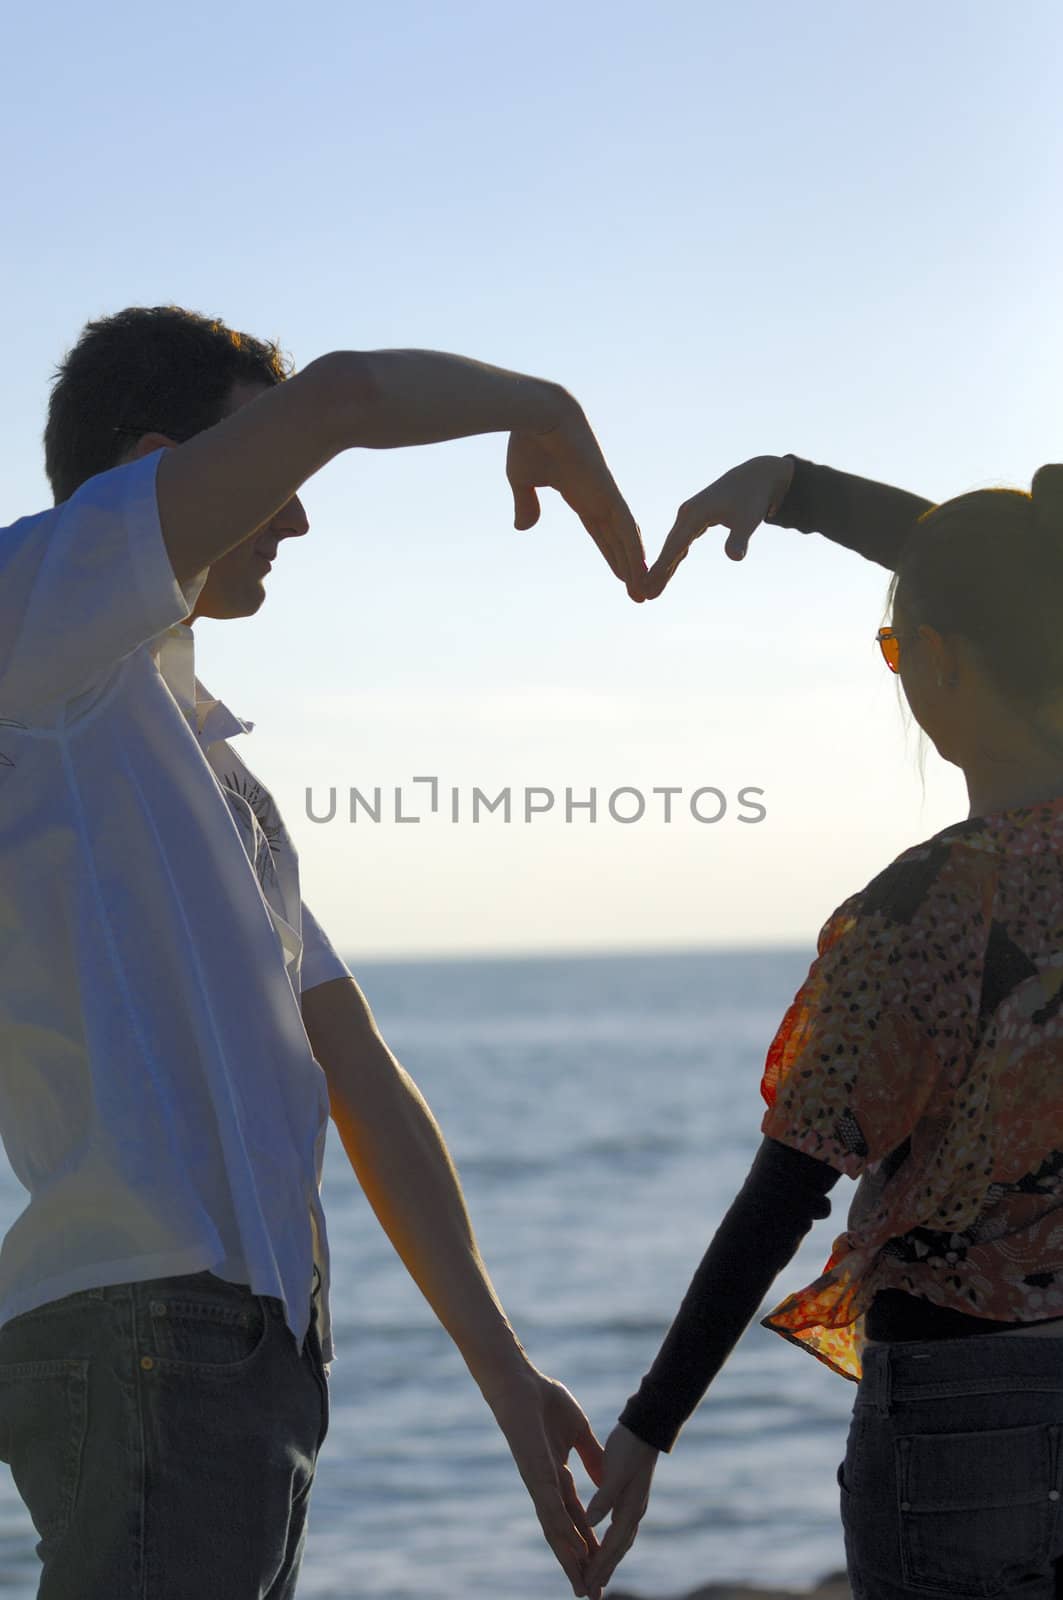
(924, 1056)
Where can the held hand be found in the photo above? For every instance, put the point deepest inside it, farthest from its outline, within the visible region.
(740, 501)
(542, 1424)
(625, 1491)
(569, 459)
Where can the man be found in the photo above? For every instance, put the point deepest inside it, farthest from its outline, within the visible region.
(171, 1015)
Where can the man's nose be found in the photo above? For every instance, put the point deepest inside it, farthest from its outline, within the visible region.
(291, 521)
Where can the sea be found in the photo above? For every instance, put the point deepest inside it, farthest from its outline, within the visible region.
(602, 1111)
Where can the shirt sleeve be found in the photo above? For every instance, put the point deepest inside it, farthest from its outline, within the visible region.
(320, 962)
(781, 1197)
(84, 585)
(871, 518)
(865, 1051)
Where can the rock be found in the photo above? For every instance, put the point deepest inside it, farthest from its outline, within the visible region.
(833, 1587)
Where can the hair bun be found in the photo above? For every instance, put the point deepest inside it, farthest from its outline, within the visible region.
(1047, 492)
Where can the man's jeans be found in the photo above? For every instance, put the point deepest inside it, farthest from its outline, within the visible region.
(953, 1470)
(164, 1437)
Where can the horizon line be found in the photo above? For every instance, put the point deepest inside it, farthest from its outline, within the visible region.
(577, 953)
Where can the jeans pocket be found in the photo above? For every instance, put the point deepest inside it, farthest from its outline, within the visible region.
(977, 1510)
(205, 1333)
(326, 1405)
(845, 1509)
(43, 1420)
(850, 1533)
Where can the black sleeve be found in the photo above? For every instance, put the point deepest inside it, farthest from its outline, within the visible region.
(782, 1195)
(871, 518)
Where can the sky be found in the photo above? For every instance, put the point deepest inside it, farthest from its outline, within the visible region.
(832, 230)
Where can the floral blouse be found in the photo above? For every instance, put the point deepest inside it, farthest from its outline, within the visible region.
(923, 1055)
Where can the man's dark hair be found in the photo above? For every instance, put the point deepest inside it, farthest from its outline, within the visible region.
(148, 369)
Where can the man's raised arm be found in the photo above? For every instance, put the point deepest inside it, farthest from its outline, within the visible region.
(218, 487)
(84, 584)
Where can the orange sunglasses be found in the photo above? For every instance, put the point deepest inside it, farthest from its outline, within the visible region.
(890, 646)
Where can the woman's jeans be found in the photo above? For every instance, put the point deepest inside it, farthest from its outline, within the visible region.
(953, 1470)
(164, 1437)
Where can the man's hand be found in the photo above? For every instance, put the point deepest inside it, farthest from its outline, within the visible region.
(625, 1491)
(568, 458)
(739, 501)
(542, 1424)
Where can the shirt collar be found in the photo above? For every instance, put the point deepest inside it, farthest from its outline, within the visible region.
(209, 719)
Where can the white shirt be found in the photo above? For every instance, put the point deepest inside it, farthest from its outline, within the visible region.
(159, 1100)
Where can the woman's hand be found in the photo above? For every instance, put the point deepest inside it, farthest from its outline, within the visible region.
(740, 501)
(625, 1491)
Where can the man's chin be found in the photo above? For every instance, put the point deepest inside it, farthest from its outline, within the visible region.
(243, 603)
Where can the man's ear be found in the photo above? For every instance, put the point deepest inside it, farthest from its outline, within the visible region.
(144, 447)
(149, 442)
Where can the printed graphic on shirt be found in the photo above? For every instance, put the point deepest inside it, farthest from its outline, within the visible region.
(256, 815)
(8, 722)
